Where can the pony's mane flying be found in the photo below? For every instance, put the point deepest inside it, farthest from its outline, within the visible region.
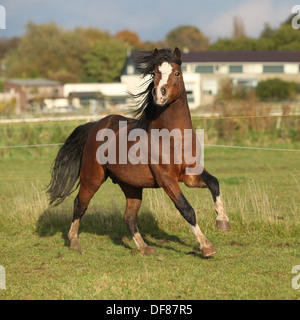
(145, 62)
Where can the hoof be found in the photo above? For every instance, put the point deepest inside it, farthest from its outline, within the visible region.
(148, 251)
(75, 245)
(223, 225)
(208, 251)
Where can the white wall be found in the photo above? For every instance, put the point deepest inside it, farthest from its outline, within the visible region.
(291, 68)
(193, 82)
(107, 89)
(252, 68)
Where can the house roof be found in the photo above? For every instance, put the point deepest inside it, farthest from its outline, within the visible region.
(37, 82)
(241, 56)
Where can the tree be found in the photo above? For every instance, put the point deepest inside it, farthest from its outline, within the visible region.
(130, 38)
(287, 38)
(238, 28)
(238, 44)
(44, 50)
(105, 62)
(282, 38)
(7, 44)
(50, 51)
(187, 37)
(268, 31)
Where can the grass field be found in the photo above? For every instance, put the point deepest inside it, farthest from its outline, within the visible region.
(253, 261)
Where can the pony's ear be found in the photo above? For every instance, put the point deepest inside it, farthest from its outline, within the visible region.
(156, 53)
(177, 54)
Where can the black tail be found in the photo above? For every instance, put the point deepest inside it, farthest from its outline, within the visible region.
(66, 166)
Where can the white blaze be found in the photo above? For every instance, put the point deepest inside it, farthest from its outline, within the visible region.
(165, 69)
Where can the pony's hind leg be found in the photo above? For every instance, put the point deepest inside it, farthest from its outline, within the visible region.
(174, 192)
(88, 187)
(133, 202)
(78, 212)
(212, 183)
(206, 180)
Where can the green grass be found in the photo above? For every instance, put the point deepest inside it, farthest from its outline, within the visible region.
(253, 261)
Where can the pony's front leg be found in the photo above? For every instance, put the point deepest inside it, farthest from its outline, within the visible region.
(173, 190)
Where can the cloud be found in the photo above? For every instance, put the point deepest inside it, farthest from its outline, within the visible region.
(254, 13)
(152, 20)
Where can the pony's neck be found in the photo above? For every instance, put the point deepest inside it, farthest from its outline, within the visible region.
(175, 115)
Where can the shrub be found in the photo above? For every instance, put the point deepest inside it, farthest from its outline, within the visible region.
(276, 89)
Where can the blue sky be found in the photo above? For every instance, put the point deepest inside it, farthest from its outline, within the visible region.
(151, 19)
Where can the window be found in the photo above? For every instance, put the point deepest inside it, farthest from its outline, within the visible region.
(204, 69)
(190, 87)
(236, 69)
(245, 82)
(190, 96)
(273, 69)
(210, 86)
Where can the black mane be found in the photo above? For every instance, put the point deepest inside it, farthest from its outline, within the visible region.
(145, 62)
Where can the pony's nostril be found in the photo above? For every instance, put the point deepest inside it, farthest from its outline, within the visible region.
(163, 91)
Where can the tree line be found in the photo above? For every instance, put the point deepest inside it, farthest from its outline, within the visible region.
(94, 55)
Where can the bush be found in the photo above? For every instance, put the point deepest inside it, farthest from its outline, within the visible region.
(276, 89)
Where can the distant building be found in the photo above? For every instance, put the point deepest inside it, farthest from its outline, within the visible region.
(97, 96)
(204, 71)
(203, 74)
(59, 105)
(32, 92)
(48, 95)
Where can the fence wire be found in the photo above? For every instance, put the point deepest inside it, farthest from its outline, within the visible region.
(64, 122)
(36, 121)
(206, 145)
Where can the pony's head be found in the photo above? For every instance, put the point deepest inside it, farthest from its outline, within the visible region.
(164, 67)
(167, 79)
(164, 85)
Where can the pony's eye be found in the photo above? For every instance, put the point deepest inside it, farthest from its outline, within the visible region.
(177, 74)
(152, 74)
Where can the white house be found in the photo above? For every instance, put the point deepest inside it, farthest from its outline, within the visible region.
(98, 95)
(204, 71)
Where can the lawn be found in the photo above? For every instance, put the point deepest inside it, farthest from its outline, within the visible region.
(253, 261)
